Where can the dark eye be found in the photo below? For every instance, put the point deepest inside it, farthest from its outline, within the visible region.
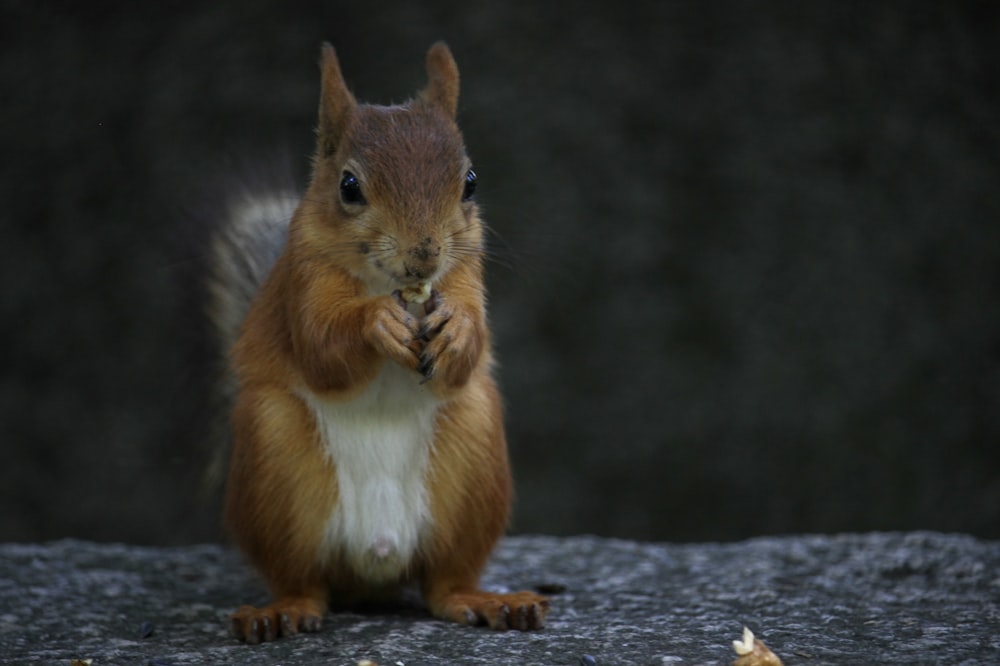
(350, 190)
(470, 186)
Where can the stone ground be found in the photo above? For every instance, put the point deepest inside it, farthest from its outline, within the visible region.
(866, 599)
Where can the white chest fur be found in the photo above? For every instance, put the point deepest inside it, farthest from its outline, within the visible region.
(380, 444)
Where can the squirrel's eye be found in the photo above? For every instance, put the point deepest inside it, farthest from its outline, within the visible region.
(350, 190)
(470, 186)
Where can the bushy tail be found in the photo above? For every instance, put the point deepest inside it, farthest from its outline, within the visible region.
(247, 241)
(243, 251)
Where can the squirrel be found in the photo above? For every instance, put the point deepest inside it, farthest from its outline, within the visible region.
(368, 448)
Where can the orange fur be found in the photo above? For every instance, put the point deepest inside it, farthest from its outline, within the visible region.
(327, 325)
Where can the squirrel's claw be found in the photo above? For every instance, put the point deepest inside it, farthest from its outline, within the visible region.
(426, 368)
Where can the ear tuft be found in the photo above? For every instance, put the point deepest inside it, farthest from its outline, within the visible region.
(336, 104)
(442, 77)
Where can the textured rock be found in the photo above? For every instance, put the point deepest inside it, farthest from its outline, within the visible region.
(874, 598)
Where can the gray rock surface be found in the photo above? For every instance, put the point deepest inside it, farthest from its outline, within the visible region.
(873, 598)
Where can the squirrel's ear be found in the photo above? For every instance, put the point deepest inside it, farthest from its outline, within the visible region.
(336, 103)
(442, 76)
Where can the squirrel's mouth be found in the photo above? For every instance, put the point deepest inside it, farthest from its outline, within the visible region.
(410, 276)
(414, 274)
(407, 281)
(382, 279)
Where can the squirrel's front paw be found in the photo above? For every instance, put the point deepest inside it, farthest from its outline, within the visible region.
(453, 343)
(393, 331)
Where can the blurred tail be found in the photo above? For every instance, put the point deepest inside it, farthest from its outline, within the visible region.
(243, 251)
(250, 235)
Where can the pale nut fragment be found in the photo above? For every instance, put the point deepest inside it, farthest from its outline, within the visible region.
(418, 293)
(752, 651)
(744, 646)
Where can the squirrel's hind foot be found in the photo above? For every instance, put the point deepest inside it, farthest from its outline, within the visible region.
(524, 611)
(286, 617)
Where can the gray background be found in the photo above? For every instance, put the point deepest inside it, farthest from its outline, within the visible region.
(746, 274)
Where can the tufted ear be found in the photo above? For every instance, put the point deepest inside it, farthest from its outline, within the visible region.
(442, 77)
(336, 103)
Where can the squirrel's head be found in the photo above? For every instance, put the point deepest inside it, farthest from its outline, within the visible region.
(392, 194)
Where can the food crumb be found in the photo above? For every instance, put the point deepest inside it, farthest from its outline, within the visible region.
(751, 651)
(418, 293)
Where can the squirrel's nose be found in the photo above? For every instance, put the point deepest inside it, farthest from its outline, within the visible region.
(422, 259)
(425, 251)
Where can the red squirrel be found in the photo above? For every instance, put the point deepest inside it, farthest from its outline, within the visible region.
(368, 440)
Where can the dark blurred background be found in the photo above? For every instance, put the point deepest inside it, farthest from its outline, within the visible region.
(747, 262)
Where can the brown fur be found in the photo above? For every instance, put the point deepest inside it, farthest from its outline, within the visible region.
(325, 321)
